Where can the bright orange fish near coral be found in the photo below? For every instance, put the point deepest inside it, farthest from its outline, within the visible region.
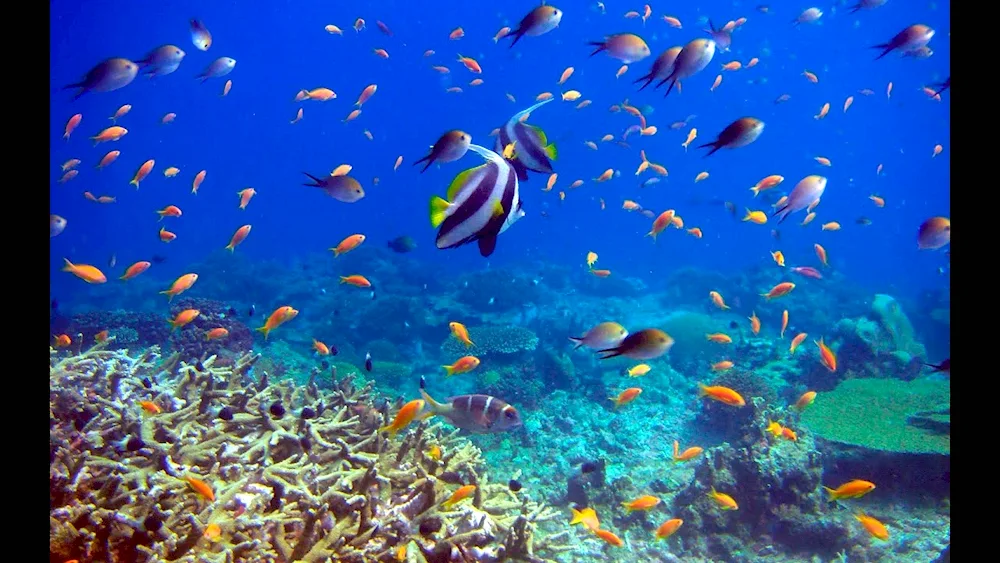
(280, 316)
(826, 356)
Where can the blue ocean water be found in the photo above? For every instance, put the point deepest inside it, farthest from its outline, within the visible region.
(245, 139)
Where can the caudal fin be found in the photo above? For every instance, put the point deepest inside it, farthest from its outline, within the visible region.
(316, 181)
(601, 46)
(648, 78)
(516, 35)
(609, 353)
(716, 145)
(782, 213)
(578, 340)
(672, 78)
(426, 159)
(433, 406)
(886, 49)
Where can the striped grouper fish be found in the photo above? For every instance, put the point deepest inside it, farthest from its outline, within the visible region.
(476, 413)
(531, 148)
(481, 203)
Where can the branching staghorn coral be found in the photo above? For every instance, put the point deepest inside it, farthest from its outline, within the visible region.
(293, 474)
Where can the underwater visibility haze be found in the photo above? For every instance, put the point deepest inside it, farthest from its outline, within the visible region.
(550, 282)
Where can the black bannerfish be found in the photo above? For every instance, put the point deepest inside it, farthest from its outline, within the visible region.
(484, 203)
(531, 147)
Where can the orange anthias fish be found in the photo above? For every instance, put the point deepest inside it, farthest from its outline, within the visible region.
(719, 337)
(721, 394)
(799, 338)
(61, 341)
(688, 454)
(587, 517)
(135, 269)
(404, 417)
(280, 316)
(724, 365)
(724, 501)
(754, 323)
(85, 272)
(216, 333)
(826, 356)
(348, 244)
(356, 280)
(201, 487)
(626, 396)
(464, 364)
(660, 223)
(852, 489)
(609, 537)
(874, 527)
(183, 318)
(238, 237)
(805, 400)
(461, 333)
(645, 502)
(462, 493)
(717, 300)
(668, 528)
(321, 348)
(150, 407)
(780, 290)
(180, 285)
(773, 428)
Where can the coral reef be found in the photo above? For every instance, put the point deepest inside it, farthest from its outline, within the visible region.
(492, 341)
(156, 458)
(734, 424)
(776, 483)
(190, 341)
(130, 329)
(893, 424)
(881, 344)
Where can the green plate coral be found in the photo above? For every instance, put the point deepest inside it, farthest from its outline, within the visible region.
(877, 414)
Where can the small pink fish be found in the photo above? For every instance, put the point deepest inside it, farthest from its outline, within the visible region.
(806, 193)
(808, 271)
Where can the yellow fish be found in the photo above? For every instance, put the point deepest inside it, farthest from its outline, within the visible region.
(758, 217)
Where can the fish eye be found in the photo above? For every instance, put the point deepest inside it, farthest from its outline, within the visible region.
(509, 414)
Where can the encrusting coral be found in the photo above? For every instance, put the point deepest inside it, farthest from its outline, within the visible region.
(153, 459)
(493, 340)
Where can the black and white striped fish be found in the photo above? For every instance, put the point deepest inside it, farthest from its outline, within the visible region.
(482, 203)
(476, 413)
(531, 147)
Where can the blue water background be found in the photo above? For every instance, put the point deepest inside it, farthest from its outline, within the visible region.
(245, 139)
